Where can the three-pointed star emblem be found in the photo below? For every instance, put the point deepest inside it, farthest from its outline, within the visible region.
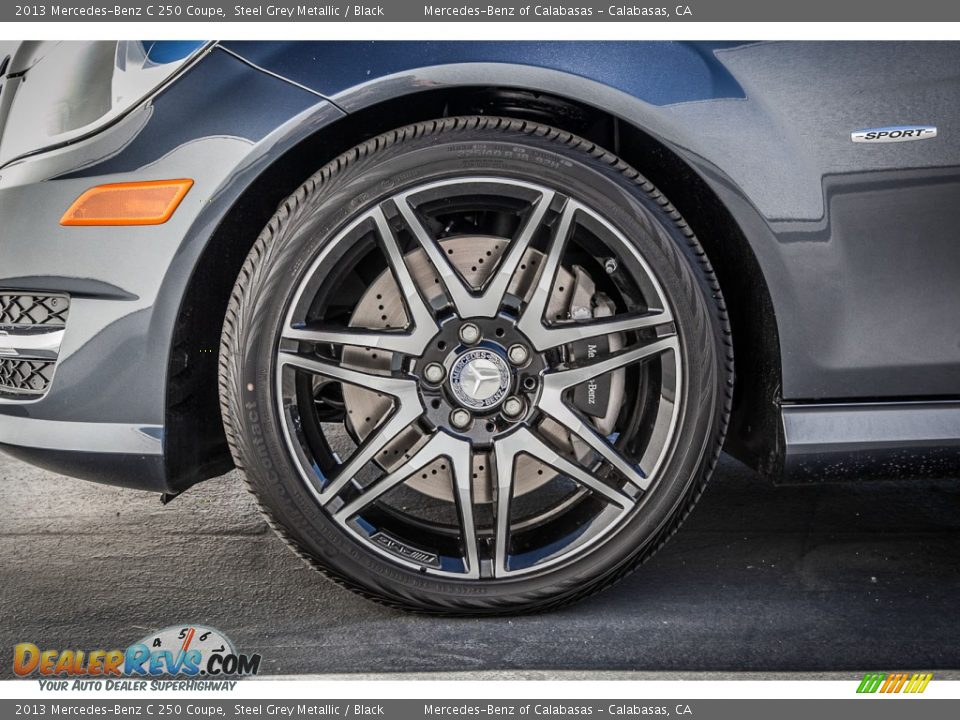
(481, 378)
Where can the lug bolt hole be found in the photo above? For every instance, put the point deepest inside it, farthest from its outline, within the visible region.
(442, 345)
(529, 383)
(435, 403)
(491, 427)
(500, 332)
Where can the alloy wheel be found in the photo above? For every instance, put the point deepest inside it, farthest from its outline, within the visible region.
(479, 378)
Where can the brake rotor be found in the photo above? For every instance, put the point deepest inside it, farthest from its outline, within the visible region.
(382, 306)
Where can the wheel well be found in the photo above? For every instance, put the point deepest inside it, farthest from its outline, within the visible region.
(195, 444)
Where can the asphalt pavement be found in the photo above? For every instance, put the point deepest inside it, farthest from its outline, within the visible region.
(853, 577)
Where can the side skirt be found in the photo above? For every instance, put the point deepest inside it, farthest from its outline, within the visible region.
(870, 441)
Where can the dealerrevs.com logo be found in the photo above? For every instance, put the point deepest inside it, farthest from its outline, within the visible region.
(190, 651)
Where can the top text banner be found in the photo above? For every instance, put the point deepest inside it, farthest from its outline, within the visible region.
(479, 11)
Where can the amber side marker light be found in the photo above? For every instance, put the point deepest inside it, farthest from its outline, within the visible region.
(135, 203)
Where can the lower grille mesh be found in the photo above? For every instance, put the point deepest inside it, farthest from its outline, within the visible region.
(25, 377)
(30, 309)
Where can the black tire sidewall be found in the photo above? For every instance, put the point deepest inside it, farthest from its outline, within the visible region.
(358, 180)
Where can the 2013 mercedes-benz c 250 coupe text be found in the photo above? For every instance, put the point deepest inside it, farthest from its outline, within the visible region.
(475, 320)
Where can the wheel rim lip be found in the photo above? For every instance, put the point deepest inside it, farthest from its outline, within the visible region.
(296, 446)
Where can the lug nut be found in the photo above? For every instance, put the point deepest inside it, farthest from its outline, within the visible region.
(433, 373)
(460, 418)
(518, 354)
(512, 407)
(469, 333)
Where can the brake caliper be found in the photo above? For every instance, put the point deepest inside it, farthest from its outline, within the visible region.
(599, 397)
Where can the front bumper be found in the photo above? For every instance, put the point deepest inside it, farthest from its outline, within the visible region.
(97, 408)
(88, 388)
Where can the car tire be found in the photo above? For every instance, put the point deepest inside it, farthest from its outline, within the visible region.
(312, 259)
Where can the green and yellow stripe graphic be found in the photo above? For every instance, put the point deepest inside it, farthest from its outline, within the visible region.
(895, 682)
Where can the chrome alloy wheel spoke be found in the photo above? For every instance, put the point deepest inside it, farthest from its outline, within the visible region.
(557, 382)
(525, 442)
(545, 338)
(531, 321)
(496, 289)
(410, 342)
(458, 453)
(460, 295)
(407, 409)
(489, 301)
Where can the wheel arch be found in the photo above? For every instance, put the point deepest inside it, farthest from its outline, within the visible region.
(195, 445)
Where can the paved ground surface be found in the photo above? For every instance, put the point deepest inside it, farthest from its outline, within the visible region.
(760, 578)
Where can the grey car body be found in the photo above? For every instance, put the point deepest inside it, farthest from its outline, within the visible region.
(838, 260)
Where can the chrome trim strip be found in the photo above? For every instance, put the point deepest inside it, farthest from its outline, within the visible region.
(816, 429)
(34, 342)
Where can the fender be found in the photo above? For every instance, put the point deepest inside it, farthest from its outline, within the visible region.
(774, 144)
(670, 91)
(311, 124)
(746, 147)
